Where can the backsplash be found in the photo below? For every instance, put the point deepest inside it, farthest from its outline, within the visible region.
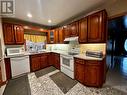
(83, 47)
(61, 47)
(93, 47)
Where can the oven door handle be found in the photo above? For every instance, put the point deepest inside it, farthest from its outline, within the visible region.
(70, 58)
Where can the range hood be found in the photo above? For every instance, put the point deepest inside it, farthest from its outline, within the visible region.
(71, 39)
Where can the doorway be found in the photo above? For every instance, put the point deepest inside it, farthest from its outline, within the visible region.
(117, 53)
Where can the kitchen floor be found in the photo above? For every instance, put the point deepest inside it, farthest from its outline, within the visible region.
(51, 81)
(117, 73)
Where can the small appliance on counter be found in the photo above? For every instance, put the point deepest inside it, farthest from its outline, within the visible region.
(15, 51)
(97, 54)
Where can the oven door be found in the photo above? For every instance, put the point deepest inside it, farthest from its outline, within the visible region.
(67, 62)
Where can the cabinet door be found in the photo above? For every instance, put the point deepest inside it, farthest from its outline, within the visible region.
(95, 32)
(50, 59)
(66, 31)
(83, 30)
(35, 63)
(79, 70)
(19, 34)
(8, 32)
(44, 61)
(93, 76)
(8, 68)
(56, 36)
(57, 61)
(51, 37)
(61, 36)
(73, 29)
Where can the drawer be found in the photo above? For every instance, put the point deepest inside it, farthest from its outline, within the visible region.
(80, 61)
(93, 62)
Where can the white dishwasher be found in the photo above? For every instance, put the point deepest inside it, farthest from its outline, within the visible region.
(20, 65)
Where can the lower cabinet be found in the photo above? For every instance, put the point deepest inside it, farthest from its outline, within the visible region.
(8, 68)
(79, 70)
(94, 75)
(38, 61)
(54, 60)
(90, 73)
(57, 60)
(44, 61)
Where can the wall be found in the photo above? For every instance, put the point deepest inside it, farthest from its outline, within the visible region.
(3, 47)
(83, 47)
(93, 47)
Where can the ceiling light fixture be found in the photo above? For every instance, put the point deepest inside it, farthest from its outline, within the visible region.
(41, 29)
(29, 15)
(49, 21)
(26, 27)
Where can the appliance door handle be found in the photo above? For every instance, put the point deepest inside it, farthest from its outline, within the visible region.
(67, 57)
(20, 58)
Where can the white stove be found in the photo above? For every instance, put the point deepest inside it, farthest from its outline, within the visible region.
(67, 64)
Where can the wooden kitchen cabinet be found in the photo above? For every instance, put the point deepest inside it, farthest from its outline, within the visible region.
(83, 30)
(73, 29)
(66, 31)
(19, 34)
(56, 36)
(57, 60)
(44, 61)
(8, 33)
(38, 61)
(8, 68)
(90, 29)
(13, 34)
(35, 62)
(52, 37)
(79, 70)
(54, 60)
(89, 72)
(61, 36)
(94, 73)
(97, 27)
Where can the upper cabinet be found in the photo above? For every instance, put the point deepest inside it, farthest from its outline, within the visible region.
(8, 33)
(55, 36)
(73, 29)
(90, 29)
(97, 27)
(61, 36)
(19, 34)
(66, 31)
(13, 34)
(83, 28)
(51, 37)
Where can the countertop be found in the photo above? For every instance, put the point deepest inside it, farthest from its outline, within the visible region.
(82, 56)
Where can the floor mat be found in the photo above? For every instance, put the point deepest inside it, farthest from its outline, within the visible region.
(18, 86)
(46, 86)
(64, 82)
(44, 71)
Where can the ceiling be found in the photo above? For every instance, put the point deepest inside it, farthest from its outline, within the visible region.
(55, 10)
